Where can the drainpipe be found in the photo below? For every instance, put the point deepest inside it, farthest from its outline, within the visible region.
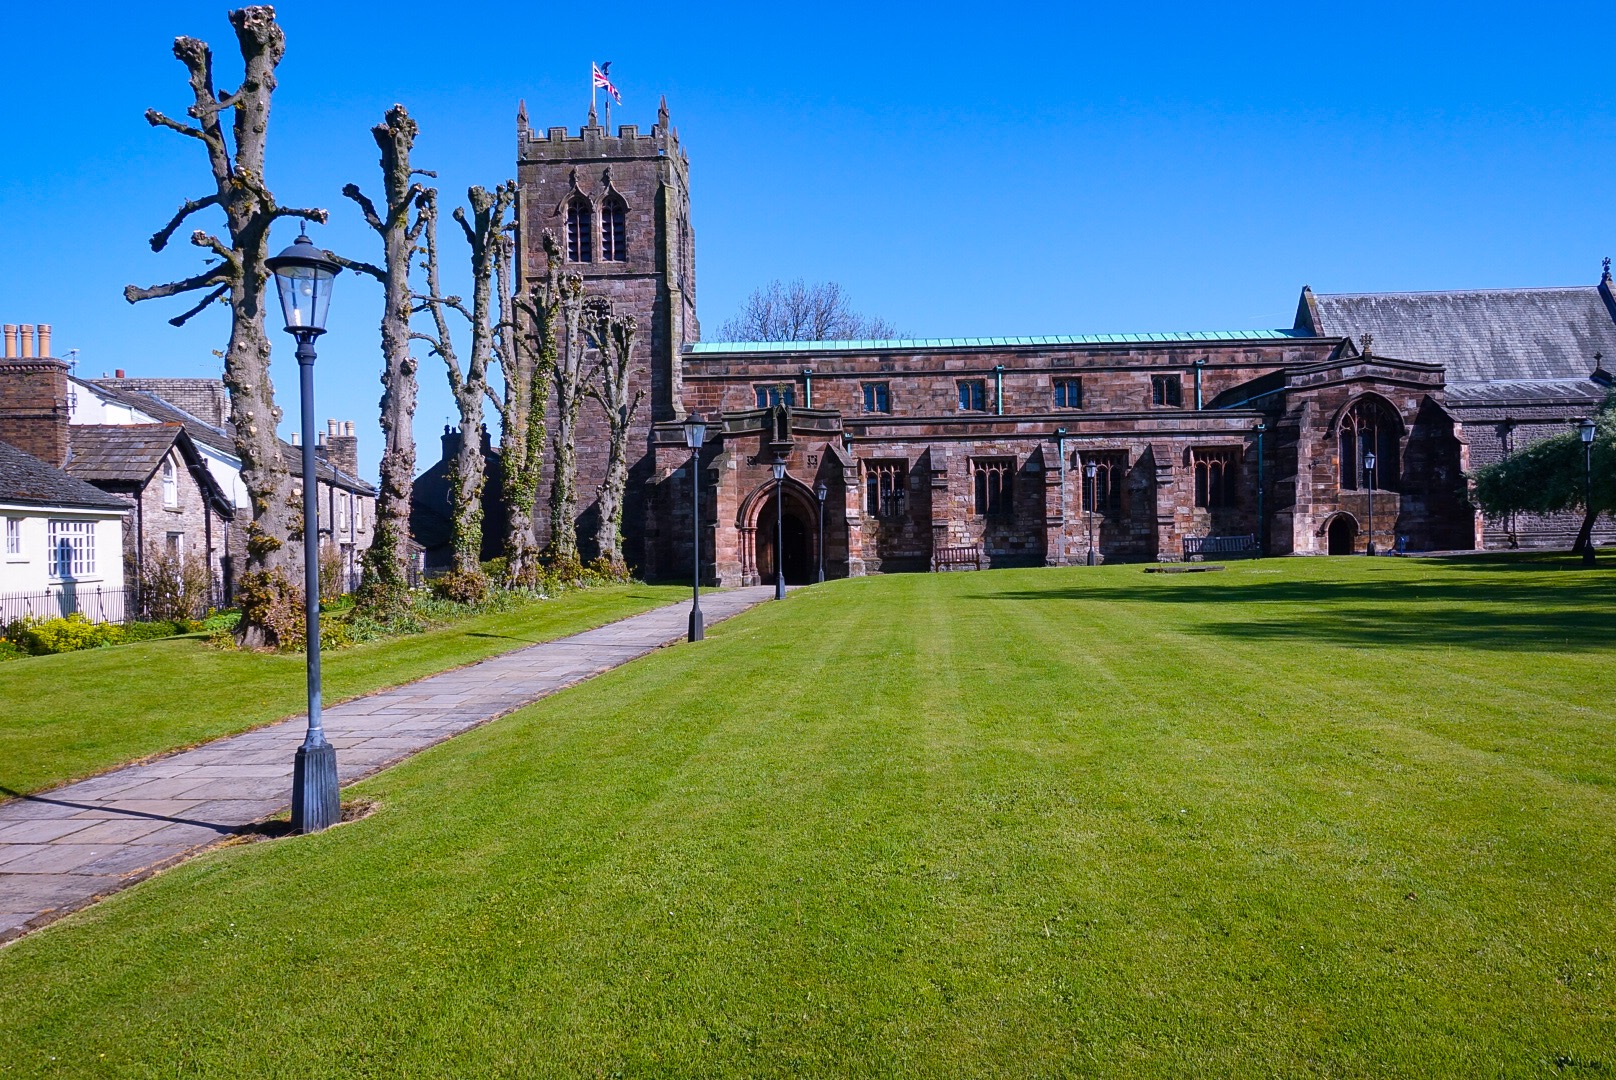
(998, 389)
(140, 550)
(1198, 365)
(1060, 454)
(807, 387)
(1262, 529)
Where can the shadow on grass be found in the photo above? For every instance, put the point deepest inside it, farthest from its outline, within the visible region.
(1547, 614)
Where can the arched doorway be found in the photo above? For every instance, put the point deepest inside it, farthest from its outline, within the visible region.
(1343, 534)
(797, 527)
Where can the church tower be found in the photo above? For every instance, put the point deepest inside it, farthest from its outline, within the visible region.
(619, 208)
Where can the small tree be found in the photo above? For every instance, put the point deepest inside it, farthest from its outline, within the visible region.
(236, 273)
(568, 376)
(526, 347)
(386, 561)
(609, 386)
(483, 231)
(1550, 477)
(797, 311)
(172, 588)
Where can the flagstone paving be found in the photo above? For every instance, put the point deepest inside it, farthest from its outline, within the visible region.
(65, 848)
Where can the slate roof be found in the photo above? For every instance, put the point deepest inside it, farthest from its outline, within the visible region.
(1480, 336)
(119, 453)
(216, 438)
(28, 480)
(1584, 392)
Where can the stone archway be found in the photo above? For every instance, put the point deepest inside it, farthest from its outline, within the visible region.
(799, 523)
(1342, 533)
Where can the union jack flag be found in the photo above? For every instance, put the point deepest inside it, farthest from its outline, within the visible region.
(604, 83)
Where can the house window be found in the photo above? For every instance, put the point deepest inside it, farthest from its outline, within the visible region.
(770, 396)
(580, 230)
(877, 397)
(613, 230)
(886, 486)
(1104, 494)
(171, 484)
(1216, 476)
(1068, 393)
(342, 511)
(176, 547)
(1167, 390)
(1369, 425)
(72, 548)
(973, 395)
(992, 478)
(13, 536)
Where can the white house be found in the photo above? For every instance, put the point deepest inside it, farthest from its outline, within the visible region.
(62, 544)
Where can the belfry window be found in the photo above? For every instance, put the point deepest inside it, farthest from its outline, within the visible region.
(1216, 476)
(1369, 426)
(886, 485)
(992, 479)
(580, 230)
(613, 230)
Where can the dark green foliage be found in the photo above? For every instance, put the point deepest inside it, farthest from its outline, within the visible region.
(1550, 476)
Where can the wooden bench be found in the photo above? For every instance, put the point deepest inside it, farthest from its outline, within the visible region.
(1225, 547)
(945, 558)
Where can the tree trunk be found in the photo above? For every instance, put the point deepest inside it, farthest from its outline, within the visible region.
(1585, 535)
(610, 389)
(238, 273)
(386, 561)
(569, 392)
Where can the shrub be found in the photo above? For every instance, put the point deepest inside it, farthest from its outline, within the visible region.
(149, 631)
(69, 633)
(10, 650)
(172, 588)
(331, 575)
(221, 620)
(461, 587)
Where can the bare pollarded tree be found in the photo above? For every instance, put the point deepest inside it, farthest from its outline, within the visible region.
(569, 375)
(526, 348)
(797, 311)
(386, 560)
(236, 274)
(484, 232)
(609, 386)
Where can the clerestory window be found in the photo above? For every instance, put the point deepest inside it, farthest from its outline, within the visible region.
(973, 395)
(1068, 393)
(877, 397)
(1167, 391)
(770, 396)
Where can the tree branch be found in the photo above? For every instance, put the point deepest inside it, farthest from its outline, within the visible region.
(181, 320)
(161, 237)
(214, 275)
(366, 207)
(217, 246)
(318, 216)
(358, 266)
(157, 119)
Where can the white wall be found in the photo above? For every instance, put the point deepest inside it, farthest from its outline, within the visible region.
(28, 572)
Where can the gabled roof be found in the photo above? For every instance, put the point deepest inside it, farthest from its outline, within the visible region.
(28, 480)
(1484, 335)
(215, 438)
(119, 453)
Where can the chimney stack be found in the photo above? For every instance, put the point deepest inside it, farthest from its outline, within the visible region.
(117, 373)
(33, 399)
(26, 330)
(341, 448)
(44, 339)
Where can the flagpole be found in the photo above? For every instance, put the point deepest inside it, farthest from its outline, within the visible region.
(591, 88)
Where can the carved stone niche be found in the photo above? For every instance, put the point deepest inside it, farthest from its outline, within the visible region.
(777, 438)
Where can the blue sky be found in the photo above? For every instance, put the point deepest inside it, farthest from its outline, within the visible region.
(1067, 169)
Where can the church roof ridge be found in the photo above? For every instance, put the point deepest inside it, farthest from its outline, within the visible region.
(1024, 341)
(1502, 291)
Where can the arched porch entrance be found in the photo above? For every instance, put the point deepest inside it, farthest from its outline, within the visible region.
(799, 524)
(1343, 535)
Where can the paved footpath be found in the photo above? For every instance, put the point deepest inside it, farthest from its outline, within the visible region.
(63, 849)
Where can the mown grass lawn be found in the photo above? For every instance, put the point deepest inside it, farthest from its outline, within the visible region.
(73, 714)
(1303, 817)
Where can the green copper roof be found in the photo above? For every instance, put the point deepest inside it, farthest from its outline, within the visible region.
(989, 342)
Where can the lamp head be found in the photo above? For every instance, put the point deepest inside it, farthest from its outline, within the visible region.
(695, 431)
(821, 491)
(1091, 468)
(779, 468)
(1586, 430)
(1369, 460)
(303, 276)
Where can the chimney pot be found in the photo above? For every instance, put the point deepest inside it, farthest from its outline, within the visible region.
(44, 339)
(321, 436)
(26, 333)
(11, 341)
(118, 373)
(330, 427)
(294, 439)
(347, 428)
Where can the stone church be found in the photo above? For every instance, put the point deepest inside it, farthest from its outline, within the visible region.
(1038, 450)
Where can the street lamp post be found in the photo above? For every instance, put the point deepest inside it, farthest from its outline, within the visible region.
(695, 434)
(1586, 430)
(822, 491)
(779, 528)
(303, 276)
(1262, 531)
(1369, 467)
(1091, 469)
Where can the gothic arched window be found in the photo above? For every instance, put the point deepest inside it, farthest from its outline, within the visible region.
(580, 230)
(1369, 426)
(613, 230)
